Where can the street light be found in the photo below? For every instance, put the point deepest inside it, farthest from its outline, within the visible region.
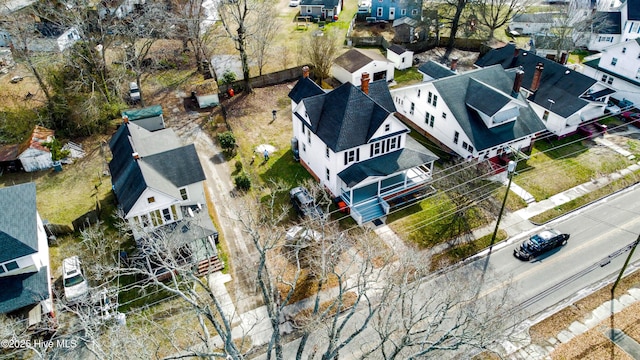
(510, 170)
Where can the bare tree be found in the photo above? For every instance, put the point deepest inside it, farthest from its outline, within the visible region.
(496, 13)
(320, 50)
(453, 15)
(265, 33)
(236, 17)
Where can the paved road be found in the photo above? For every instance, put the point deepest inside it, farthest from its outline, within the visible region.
(599, 243)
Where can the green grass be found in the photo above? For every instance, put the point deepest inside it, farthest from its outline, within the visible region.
(610, 188)
(407, 77)
(460, 252)
(569, 162)
(424, 223)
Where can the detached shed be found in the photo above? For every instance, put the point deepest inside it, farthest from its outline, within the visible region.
(149, 118)
(350, 66)
(205, 101)
(401, 57)
(33, 155)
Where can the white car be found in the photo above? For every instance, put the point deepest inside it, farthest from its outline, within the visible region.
(75, 284)
(294, 3)
(134, 91)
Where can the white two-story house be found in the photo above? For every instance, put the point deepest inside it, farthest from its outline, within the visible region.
(618, 67)
(25, 274)
(478, 114)
(563, 98)
(158, 183)
(351, 142)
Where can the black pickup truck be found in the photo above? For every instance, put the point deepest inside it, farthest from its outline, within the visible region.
(540, 243)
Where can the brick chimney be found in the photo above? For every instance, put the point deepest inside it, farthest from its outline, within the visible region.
(305, 71)
(517, 83)
(454, 64)
(535, 83)
(125, 119)
(364, 86)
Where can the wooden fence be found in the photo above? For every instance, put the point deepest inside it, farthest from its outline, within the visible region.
(265, 80)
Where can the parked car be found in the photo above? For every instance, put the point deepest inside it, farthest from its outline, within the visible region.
(16, 79)
(632, 117)
(304, 204)
(540, 243)
(134, 91)
(294, 3)
(612, 108)
(76, 287)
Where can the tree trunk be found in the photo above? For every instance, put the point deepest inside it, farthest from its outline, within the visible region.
(454, 28)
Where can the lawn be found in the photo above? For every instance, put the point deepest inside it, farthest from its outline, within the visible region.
(569, 162)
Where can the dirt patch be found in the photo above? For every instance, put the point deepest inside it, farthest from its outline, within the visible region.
(466, 59)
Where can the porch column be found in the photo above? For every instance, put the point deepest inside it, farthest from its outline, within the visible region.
(405, 178)
(351, 196)
(379, 183)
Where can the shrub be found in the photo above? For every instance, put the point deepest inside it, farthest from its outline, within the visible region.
(228, 77)
(242, 182)
(238, 165)
(227, 141)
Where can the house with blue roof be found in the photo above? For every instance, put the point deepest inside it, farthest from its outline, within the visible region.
(25, 274)
(563, 98)
(158, 183)
(479, 114)
(351, 142)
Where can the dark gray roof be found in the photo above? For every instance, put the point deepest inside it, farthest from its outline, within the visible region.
(633, 10)
(495, 84)
(607, 22)
(412, 155)
(326, 3)
(304, 88)
(397, 49)
(345, 117)
(557, 82)
(379, 92)
(435, 70)
(356, 59)
(18, 222)
(545, 18)
(483, 98)
(23, 290)
(166, 169)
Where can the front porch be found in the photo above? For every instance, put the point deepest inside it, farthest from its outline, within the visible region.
(374, 200)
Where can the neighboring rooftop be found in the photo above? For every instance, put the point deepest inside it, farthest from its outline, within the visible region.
(356, 59)
(18, 221)
(435, 70)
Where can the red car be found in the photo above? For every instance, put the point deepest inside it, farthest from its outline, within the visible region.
(630, 116)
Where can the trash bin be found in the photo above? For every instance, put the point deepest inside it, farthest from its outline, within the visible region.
(57, 166)
(231, 92)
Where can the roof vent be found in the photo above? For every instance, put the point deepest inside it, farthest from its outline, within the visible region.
(524, 54)
(567, 72)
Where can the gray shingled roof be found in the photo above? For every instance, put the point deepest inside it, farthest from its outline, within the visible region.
(304, 88)
(404, 20)
(356, 59)
(435, 70)
(23, 290)
(397, 49)
(345, 117)
(557, 82)
(484, 98)
(18, 221)
(633, 10)
(497, 84)
(164, 163)
(379, 92)
(412, 155)
(327, 3)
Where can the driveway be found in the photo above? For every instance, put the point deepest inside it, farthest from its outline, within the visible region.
(220, 189)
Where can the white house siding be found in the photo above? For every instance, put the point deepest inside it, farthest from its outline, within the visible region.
(401, 61)
(67, 39)
(35, 160)
(527, 28)
(142, 210)
(311, 10)
(598, 42)
(627, 65)
(372, 68)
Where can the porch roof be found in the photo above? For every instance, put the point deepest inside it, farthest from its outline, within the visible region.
(413, 154)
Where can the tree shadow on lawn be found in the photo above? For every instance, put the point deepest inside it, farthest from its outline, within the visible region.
(284, 169)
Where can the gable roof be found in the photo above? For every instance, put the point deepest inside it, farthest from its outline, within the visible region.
(18, 221)
(633, 10)
(405, 20)
(484, 87)
(356, 59)
(304, 88)
(397, 49)
(379, 92)
(23, 290)
(326, 3)
(607, 22)
(412, 155)
(164, 164)
(435, 70)
(557, 82)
